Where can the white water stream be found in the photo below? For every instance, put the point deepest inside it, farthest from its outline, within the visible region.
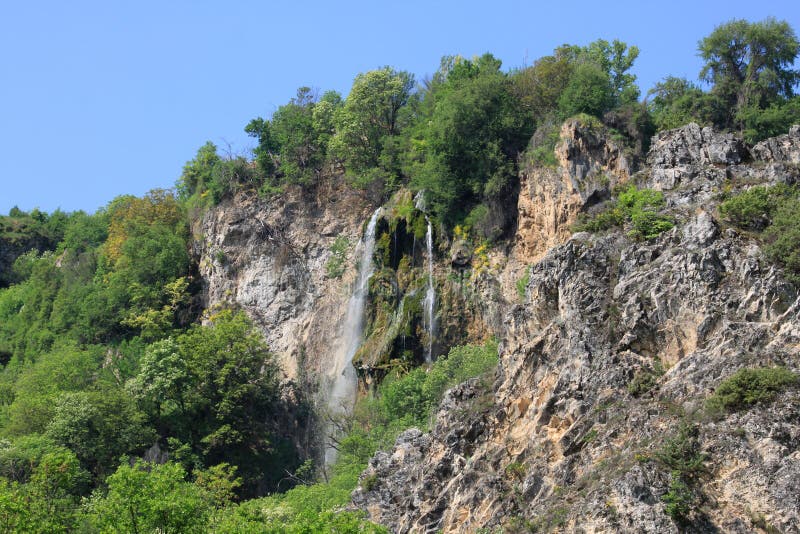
(429, 304)
(342, 395)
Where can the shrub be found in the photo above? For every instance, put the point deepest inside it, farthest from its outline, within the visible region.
(783, 238)
(638, 206)
(679, 501)
(681, 454)
(753, 209)
(648, 224)
(334, 268)
(750, 386)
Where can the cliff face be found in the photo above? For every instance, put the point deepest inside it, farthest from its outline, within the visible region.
(270, 258)
(604, 364)
(562, 438)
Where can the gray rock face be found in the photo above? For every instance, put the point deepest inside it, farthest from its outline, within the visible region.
(784, 148)
(692, 145)
(694, 159)
(269, 257)
(564, 439)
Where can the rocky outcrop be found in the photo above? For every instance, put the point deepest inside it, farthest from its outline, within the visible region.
(589, 165)
(784, 148)
(616, 347)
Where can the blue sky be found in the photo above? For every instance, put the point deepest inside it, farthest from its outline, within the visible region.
(102, 98)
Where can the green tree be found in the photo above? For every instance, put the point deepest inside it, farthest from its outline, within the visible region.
(470, 132)
(197, 174)
(677, 101)
(370, 116)
(213, 389)
(615, 59)
(150, 498)
(99, 427)
(750, 65)
(589, 90)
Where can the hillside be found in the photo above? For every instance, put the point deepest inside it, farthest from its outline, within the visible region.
(503, 301)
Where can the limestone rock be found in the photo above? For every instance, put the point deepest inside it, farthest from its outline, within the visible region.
(784, 148)
(559, 439)
(589, 166)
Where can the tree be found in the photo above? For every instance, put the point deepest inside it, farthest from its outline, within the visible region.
(214, 390)
(197, 174)
(538, 87)
(750, 64)
(99, 427)
(589, 91)
(370, 115)
(616, 59)
(150, 498)
(471, 130)
(677, 101)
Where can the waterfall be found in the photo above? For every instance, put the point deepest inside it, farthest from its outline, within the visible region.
(430, 295)
(345, 382)
(429, 320)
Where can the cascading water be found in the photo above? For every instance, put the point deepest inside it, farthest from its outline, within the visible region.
(430, 295)
(429, 319)
(345, 382)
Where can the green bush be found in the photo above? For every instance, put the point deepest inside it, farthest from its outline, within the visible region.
(776, 211)
(783, 238)
(679, 501)
(750, 386)
(754, 209)
(648, 224)
(682, 453)
(637, 206)
(334, 268)
(682, 456)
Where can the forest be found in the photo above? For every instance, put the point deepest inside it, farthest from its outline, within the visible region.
(127, 407)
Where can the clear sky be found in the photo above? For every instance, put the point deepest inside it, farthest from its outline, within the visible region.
(102, 98)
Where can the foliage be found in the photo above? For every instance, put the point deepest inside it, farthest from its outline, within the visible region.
(639, 207)
(370, 117)
(682, 456)
(750, 64)
(680, 499)
(776, 211)
(754, 208)
(470, 133)
(751, 386)
(21, 232)
(681, 452)
(293, 144)
(677, 101)
(783, 237)
(335, 266)
(589, 91)
(149, 498)
(210, 389)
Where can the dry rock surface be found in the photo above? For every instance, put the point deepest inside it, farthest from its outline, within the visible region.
(562, 438)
